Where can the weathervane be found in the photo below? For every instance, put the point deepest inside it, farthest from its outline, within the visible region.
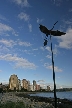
(51, 33)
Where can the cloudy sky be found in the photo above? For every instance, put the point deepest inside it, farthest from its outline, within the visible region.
(21, 42)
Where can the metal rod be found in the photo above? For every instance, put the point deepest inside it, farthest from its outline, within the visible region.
(53, 75)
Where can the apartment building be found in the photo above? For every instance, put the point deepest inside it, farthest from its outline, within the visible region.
(19, 84)
(34, 85)
(48, 88)
(13, 82)
(37, 87)
(29, 85)
(25, 84)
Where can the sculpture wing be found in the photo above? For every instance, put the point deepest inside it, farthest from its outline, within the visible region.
(57, 33)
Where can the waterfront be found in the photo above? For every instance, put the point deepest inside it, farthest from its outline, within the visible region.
(35, 101)
(61, 103)
(61, 95)
(12, 98)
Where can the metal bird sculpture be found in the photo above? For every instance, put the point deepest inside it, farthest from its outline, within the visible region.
(54, 33)
(50, 32)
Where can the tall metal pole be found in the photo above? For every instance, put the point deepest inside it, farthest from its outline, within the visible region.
(53, 75)
(53, 71)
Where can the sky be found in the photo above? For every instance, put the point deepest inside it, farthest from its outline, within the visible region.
(21, 41)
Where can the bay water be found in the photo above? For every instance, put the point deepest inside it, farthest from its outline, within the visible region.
(61, 95)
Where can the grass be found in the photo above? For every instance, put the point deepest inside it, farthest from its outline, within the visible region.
(13, 105)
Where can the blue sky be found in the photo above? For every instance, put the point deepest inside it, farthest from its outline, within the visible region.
(21, 42)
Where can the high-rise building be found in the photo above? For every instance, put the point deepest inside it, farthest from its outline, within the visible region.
(31, 88)
(28, 85)
(48, 88)
(19, 82)
(34, 88)
(37, 87)
(13, 82)
(34, 85)
(25, 84)
(34, 82)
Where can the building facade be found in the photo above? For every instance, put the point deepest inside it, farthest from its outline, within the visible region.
(19, 84)
(13, 82)
(34, 85)
(34, 82)
(48, 88)
(37, 87)
(34, 88)
(25, 84)
(28, 85)
(31, 87)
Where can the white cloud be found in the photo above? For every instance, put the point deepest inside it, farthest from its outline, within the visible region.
(48, 56)
(43, 85)
(8, 43)
(23, 3)
(24, 16)
(56, 69)
(55, 50)
(3, 49)
(69, 22)
(41, 81)
(19, 62)
(11, 43)
(39, 20)
(48, 48)
(65, 41)
(30, 27)
(5, 28)
(24, 43)
(42, 48)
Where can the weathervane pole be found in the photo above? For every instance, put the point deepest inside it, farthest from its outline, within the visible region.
(53, 75)
(53, 71)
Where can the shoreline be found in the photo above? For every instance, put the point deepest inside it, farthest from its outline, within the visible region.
(34, 101)
(61, 103)
(12, 97)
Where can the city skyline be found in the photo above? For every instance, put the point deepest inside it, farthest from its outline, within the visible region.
(21, 41)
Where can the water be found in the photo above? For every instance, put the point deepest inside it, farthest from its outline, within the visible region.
(61, 95)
